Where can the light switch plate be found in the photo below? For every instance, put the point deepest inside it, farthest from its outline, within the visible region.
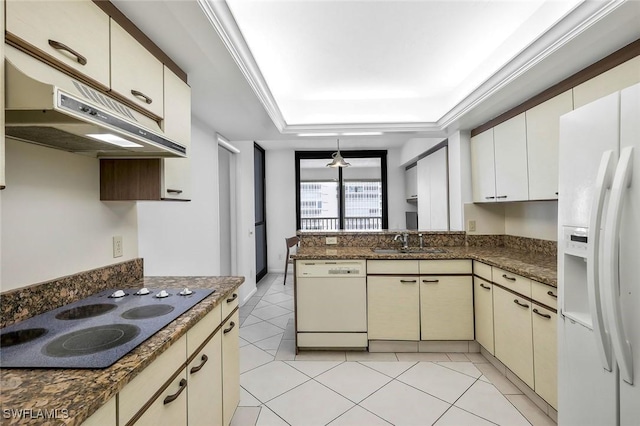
(472, 225)
(117, 246)
(331, 240)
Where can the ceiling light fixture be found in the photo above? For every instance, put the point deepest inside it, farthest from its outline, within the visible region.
(338, 161)
(114, 140)
(317, 134)
(362, 134)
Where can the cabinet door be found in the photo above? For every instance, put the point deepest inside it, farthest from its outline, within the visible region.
(624, 75)
(105, 416)
(177, 127)
(483, 304)
(510, 144)
(543, 135)
(545, 354)
(411, 183)
(393, 308)
(483, 177)
(205, 385)
(513, 333)
(446, 307)
(230, 367)
(433, 192)
(170, 408)
(135, 73)
(73, 33)
(424, 194)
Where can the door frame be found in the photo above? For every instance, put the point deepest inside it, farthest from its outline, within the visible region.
(260, 274)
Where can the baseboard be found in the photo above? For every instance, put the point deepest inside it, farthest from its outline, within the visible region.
(249, 296)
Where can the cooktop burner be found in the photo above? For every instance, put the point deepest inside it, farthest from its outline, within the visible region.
(94, 332)
(91, 340)
(144, 312)
(86, 311)
(20, 336)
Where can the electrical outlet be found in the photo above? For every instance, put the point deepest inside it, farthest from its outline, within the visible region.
(472, 225)
(331, 240)
(117, 246)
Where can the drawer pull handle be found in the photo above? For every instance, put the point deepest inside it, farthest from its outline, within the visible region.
(547, 316)
(506, 277)
(232, 298)
(169, 399)
(501, 196)
(59, 46)
(199, 367)
(489, 198)
(524, 305)
(550, 293)
(485, 287)
(430, 281)
(174, 191)
(139, 94)
(226, 330)
(408, 281)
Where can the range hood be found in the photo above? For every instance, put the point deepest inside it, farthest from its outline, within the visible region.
(47, 107)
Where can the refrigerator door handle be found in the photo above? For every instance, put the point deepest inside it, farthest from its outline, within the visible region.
(621, 346)
(603, 182)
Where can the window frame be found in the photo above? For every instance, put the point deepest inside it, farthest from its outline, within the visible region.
(314, 155)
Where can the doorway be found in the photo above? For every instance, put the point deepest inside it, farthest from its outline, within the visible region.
(227, 206)
(260, 211)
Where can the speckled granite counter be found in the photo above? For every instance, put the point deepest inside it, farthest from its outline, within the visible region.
(81, 392)
(536, 266)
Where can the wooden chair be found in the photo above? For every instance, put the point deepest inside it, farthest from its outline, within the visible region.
(291, 242)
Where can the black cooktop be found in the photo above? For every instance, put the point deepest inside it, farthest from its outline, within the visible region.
(94, 332)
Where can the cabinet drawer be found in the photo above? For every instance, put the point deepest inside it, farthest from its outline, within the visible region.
(482, 270)
(433, 267)
(199, 332)
(512, 281)
(393, 267)
(170, 408)
(229, 304)
(58, 28)
(140, 390)
(106, 415)
(135, 73)
(544, 294)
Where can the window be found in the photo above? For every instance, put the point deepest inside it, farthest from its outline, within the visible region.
(352, 198)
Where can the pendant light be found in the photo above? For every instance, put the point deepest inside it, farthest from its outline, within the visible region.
(338, 161)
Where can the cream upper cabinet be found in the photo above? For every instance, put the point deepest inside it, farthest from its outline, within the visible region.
(230, 367)
(545, 354)
(624, 75)
(136, 74)
(177, 127)
(543, 134)
(483, 310)
(483, 166)
(74, 33)
(433, 192)
(446, 307)
(411, 183)
(510, 147)
(393, 307)
(513, 333)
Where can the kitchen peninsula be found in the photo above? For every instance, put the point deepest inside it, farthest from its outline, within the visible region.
(146, 378)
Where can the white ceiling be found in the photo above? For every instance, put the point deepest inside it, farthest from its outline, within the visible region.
(233, 94)
(340, 62)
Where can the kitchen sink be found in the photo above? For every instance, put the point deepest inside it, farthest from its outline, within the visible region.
(426, 250)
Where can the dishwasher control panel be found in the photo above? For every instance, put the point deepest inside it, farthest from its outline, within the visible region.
(331, 268)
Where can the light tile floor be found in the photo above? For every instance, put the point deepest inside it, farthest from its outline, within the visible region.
(279, 387)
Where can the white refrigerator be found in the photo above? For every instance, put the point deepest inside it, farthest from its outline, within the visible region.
(599, 263)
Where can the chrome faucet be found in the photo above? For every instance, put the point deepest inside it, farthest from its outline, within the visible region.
(405, 239)
(421, 241)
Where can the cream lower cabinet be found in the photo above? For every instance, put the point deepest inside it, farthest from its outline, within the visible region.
(513, 333)
(483, 304)
(205, 385)
(545, 355)
(230, 367)
(446, 307)
(105, 416)
(170, 407)
(393, 308)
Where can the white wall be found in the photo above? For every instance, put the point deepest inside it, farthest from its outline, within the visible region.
(53, 222)
(413, 148)
(280, 182)
(534, 219)
(181, 238)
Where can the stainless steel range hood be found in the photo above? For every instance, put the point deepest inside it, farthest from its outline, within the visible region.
(47, 107)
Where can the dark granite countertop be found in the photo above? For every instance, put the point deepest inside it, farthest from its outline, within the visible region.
(538, 267)
(82, 392)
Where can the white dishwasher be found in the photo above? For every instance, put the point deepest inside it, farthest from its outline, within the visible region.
(331, 304)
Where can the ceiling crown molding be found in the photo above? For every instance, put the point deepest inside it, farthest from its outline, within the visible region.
(576, 22)
(218, 13)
